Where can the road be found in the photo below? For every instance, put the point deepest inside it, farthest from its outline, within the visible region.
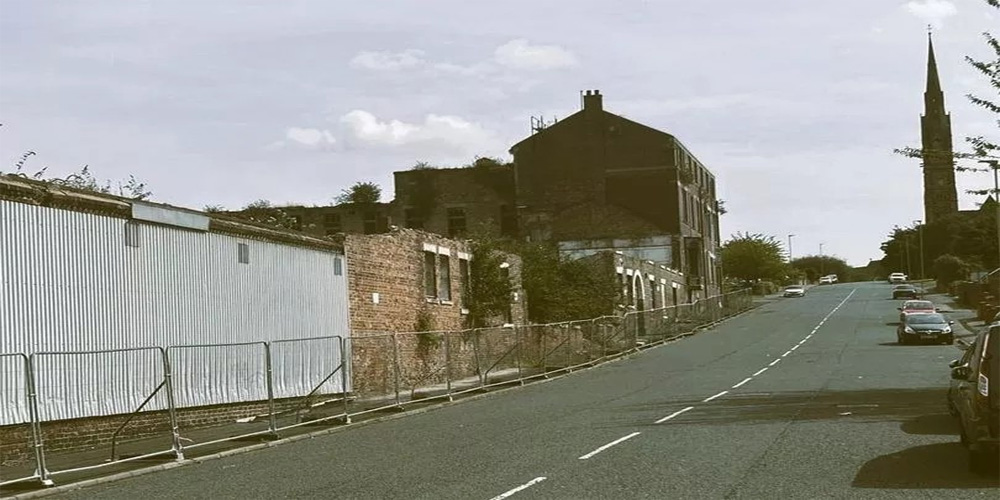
(802, 398)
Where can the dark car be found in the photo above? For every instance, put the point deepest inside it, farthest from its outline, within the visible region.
(905, 291)
(973, 398)
(925, 326)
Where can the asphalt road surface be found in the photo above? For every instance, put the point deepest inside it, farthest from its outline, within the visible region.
(802, 398)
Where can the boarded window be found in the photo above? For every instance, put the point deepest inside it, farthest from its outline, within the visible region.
(430, 274)
(371, 222)
(412, 219)
(332, 223)
(444, 277)
(243, 253)
(464, 280)
(456, 222)
(508, 220)
(338, 266)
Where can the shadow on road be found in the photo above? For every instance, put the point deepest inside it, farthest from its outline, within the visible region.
(917, 409)
(939, 424)
(941, 465)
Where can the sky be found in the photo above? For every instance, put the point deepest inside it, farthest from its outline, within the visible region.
(795, 106)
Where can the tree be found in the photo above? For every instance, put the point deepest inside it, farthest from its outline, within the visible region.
(562, 289)
(752, 257)
(812, 267)
(948, 269)
(968, 236)
(981, 146)
(489, 285)
(360, 193)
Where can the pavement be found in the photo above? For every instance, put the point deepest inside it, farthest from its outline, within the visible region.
(799, 398)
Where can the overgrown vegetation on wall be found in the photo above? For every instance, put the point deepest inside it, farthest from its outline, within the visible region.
(83, 180)
(560, 289)
(490, 288)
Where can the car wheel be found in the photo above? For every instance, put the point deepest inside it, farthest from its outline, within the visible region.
(901, 339)
(951, 408)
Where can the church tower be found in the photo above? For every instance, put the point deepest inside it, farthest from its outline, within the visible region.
(940, 195)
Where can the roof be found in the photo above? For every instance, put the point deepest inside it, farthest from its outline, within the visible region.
(576, 116)
(21, 189)
(607, 114)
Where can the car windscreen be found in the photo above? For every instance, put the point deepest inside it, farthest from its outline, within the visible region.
(925, 319)
(919, 305)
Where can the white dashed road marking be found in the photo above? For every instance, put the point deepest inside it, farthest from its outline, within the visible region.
(743, 382)
(719, 395)
(519, 488)
(674, 414)
(609, 445)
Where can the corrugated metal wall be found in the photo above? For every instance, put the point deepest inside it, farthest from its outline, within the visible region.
(70, 283)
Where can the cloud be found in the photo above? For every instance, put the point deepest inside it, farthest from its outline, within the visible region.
(309, 137)
(520, 54)
(388, 61)
(440, 135)
(933, 12)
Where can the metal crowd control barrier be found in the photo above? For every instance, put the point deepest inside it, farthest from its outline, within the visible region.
(376, 372)
(40, 473)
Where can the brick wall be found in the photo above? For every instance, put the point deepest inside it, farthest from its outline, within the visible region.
(87, 433)
(392, 265)
(480, 192)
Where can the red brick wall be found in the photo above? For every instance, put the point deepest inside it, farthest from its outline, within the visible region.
(84, 433)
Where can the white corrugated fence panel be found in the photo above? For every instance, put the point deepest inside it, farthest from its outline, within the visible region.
(70, 283)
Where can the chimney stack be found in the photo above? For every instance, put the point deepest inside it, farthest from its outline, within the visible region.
(592, 101)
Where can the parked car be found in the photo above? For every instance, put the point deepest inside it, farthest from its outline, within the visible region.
(973, 397)
(795, 291)
(897, 278)
(833, 278)
(926, 326)
(905, 291)
(825, 280)
(916, 307)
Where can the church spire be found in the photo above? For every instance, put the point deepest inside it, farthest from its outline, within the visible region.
(933, 96)
(940, 194)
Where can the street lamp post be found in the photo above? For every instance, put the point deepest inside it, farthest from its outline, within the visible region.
(995, 165)
(790, 247)
(920, 232)
(909, 268)
(821, 271)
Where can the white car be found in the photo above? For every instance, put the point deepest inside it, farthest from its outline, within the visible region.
(826, 280)
(795, 291)
(897, 278)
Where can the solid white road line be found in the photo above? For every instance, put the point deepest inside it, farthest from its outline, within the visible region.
(609, 445)
(762, 370)
(743, 382)
(674, 414)
(519, 488)
(719, 395)
(774, 362)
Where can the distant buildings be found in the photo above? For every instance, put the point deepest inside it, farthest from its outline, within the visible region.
(593, 182)
(596, 181)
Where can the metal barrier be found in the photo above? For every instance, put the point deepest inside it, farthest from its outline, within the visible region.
(294, 382)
